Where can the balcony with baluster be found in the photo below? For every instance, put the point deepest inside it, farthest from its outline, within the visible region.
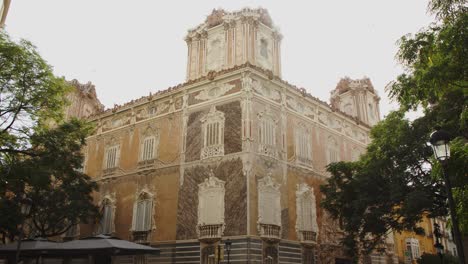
(308, 237)
(270, 232)
(210, 232)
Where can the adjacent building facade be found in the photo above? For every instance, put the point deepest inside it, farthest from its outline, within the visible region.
(4, 6)
(234, 152)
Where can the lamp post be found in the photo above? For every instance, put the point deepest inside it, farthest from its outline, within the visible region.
(438, 246)
(26, 204)
(440, 144)
(227, 245)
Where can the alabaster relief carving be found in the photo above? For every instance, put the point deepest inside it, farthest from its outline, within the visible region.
(267, 132)
(300, 107)
(265, 90)
(247, 82)
(143, 210)
(265, 51)
(214, 92)
(347, 129)
(212, 133)
(211, 204)
(269, 207)
(335, 123)
(215, 52)
(306, 221)
(163, 107)
(333, 154)
(322, 117)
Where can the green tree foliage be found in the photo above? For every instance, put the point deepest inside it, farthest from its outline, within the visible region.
(397, 180)
(389, 188)
(40, 154)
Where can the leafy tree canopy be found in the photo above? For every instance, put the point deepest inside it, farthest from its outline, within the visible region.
(397, 180)
(40, 154)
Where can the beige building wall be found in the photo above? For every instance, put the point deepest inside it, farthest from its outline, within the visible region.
(268, 139)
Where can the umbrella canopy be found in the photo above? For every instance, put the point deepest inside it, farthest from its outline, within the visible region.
(96, 245)
(104, 245)
(30, 247)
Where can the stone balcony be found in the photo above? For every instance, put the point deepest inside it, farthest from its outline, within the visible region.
(270, 232)
(145, 164)
(308, 237)
(210, 233)
(109, 172)
(141, 237)
(212, 151)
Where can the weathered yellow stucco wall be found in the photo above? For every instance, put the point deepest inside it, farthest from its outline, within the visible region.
(426, 241)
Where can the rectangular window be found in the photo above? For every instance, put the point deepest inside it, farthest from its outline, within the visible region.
(142, 215)
(303, 148)
(111, 157)
(267, 133)
(106, 220)
(148, 148)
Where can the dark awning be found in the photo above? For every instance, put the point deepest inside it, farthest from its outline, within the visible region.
(105, 245)
(96, 245)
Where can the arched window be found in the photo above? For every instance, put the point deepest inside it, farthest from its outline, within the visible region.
(306, 222)
(333, 154)
(112, 154)
(142, 213)
(267, 133)
(213, 134)
(269, 208)
(106, 225)
(149, 144)
(303, 145)
(211, 207)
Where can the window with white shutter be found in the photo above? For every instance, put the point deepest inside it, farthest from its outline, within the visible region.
(213, 134)
(106, 224)
(303, 145)
(148, 148)
(306, 221)
(267, 139)
(333, 154)
(143, 213)
(111, 157)
(269, 205)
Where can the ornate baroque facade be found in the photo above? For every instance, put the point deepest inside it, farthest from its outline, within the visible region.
(234, 152)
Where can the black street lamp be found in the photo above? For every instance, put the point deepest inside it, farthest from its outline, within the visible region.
(438, 246)
(26, 204)
(440, 144)
(227, 245)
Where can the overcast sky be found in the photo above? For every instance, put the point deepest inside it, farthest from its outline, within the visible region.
(131, 48)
